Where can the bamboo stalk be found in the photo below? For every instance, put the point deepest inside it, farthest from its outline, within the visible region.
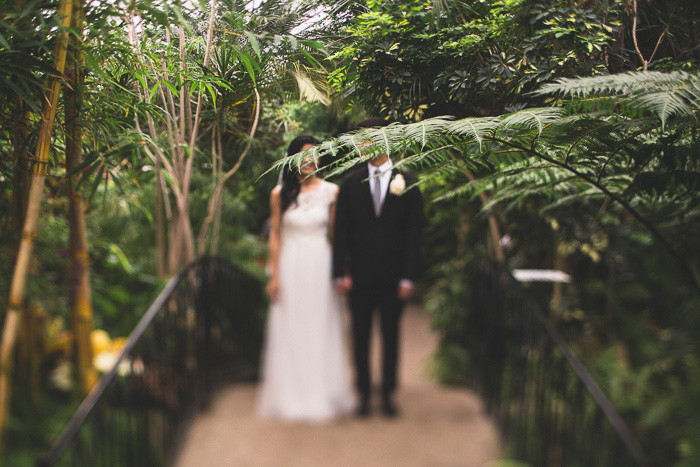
(31, 220)
(20, 173)
(80, 294)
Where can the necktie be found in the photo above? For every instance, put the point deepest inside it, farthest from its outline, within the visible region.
(377, 193)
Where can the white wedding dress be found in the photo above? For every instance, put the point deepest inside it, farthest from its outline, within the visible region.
(305, 373)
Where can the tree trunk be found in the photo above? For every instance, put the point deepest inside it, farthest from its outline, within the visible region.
(216, 231)
(495, 248)
(31, 220)
(79, 294)
(557, 287)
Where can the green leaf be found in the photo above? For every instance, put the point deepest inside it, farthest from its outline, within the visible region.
(212, 93)
(172, 87)
(3, 41)
(96, 182)
(253, 41)
(22, 95)
(247, 62)
(89, 160)
(123, 260)
(154, 89)
(310, 58)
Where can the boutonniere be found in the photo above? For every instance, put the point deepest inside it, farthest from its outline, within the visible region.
(397, 185)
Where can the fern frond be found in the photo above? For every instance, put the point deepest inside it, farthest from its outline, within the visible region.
(663, 94)
(622, 83)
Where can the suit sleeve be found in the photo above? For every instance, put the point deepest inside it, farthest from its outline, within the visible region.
(341, 232)
(414, 232)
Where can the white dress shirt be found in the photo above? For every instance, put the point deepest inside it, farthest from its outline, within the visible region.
(384, 178)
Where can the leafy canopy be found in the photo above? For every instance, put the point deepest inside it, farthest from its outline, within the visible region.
(415, 59)
(631, 138)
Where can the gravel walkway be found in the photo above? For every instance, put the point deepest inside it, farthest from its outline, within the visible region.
(438, 426)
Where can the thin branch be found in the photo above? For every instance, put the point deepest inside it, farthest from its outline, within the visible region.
(207, 52)
(634, 35)
(658, 43)
(214, 201)
(253, 129)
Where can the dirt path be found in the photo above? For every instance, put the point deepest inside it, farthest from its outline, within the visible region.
(438, 426)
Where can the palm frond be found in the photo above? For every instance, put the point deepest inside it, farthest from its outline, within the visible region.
(311, 84)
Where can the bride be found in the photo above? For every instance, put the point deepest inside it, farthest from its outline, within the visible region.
(304, 373)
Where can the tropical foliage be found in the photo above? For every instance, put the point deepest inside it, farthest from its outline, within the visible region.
(635, 301)
(567, 130)
(621, 153)
(634, 147)
(415, 59)
(154, 97)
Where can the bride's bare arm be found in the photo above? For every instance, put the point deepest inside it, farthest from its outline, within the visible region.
(342, 284)
(273, 243)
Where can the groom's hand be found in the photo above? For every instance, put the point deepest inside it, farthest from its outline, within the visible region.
(405, 289)
(343, 285)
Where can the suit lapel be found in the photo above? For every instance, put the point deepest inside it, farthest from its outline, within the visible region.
(389, 198)
(365, 193)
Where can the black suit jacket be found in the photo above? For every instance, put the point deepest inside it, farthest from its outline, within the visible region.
(376, 249)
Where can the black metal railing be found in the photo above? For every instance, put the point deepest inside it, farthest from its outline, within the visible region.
(549, 409)
(203, 329)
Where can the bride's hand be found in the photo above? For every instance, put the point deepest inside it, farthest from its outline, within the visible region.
(343, 285)
(273, 288)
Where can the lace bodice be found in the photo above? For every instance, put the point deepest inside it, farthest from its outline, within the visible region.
(308, 218)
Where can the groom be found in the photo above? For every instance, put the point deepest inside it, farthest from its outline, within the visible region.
(375, 261)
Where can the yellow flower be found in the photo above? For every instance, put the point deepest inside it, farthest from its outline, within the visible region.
(100, 341)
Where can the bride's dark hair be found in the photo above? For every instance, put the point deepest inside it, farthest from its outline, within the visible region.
(290, 175)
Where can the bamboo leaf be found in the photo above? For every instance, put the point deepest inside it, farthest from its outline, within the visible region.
(310, 58)
(254, 43)
(170, 86)
(96, 182)
(121, 257)
(22, 95)
(3, 41)
(316, 45)
(139, 76)
(89, 160)
(245, 58)
(212, 93)
(154, 89)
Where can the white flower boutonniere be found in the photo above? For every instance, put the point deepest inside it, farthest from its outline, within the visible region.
(397, 185)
